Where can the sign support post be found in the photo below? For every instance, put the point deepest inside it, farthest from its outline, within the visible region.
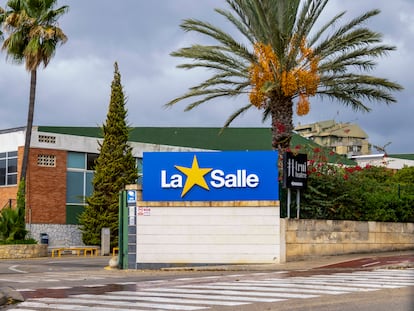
(131, 226)
(288, 203)
(123, 232)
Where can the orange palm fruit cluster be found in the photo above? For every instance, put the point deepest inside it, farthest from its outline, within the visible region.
(301, 80)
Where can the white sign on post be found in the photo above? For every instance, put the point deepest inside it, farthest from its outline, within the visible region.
(131, 216)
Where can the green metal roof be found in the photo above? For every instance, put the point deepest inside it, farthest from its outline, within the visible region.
(234, 138)
(402, 156)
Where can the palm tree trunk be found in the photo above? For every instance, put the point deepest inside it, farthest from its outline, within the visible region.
(29, 126)
(281, 110)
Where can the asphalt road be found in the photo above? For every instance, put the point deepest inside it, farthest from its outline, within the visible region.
(48, 264)
(384, 300)
(68, 277)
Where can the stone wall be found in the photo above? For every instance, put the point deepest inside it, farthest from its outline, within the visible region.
(305, 238)
(22, 251)
(59, 235)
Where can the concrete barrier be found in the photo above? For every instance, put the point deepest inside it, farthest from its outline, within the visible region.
(306, 238)
(19, 251)
(197, 233)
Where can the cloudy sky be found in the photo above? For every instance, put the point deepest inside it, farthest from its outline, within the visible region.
(74, 89)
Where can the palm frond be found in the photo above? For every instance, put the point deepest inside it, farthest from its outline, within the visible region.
(334, 57)
(206, 94)
(33, 29)
(348, 34)
(235, 115)
(242, 27)
(308, 15)
(322, 30)
(360, 58)
(351, 89)
(210, 56)
(217, 34)
(222, 80)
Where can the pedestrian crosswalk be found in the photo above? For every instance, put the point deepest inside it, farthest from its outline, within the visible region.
(52, 277)
(203, 293)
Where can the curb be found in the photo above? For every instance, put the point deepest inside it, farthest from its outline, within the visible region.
(9, 296)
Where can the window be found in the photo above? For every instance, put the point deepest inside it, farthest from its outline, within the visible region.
(80, 172)
(356, 148)
(75, 182)
(79, 176)
(91, 161)
(76, 160)
(8, 168)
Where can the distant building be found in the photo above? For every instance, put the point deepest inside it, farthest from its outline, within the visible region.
(342, 138)
(391, 161)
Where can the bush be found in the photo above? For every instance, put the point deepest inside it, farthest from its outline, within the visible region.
(12, 226)
(27, 241)
(12, 223)
(404, 175)
(355, 193)
(381, 206)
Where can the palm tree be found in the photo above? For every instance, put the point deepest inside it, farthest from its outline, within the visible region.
(1, 14)
(33, 36)
(285, 59)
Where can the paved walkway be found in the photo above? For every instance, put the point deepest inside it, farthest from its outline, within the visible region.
(361, 260)
(365, 260)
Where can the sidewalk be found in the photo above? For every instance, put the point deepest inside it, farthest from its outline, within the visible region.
(395, 259)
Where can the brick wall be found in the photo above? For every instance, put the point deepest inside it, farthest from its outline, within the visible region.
(46, 188)
(7, 193)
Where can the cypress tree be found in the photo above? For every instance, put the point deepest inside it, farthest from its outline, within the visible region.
(114, 168)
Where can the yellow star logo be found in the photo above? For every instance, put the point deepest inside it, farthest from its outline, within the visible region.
(195, 176)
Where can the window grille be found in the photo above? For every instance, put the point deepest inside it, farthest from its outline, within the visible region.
(47, 139)
(46, 160)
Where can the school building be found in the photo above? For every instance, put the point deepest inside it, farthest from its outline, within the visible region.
(61, 167)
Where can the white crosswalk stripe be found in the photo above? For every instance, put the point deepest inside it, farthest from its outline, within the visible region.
(185, 294)
(50, 278)
(229, 292)
(246, 289)
(202, 293)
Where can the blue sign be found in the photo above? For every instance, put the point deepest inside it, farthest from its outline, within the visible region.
(131, 196)
(210, 176)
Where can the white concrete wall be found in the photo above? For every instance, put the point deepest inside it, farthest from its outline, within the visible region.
(10, 141)
(227, 234)
(90, 144)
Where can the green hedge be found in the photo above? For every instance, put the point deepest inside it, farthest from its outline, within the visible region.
(27, 241)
